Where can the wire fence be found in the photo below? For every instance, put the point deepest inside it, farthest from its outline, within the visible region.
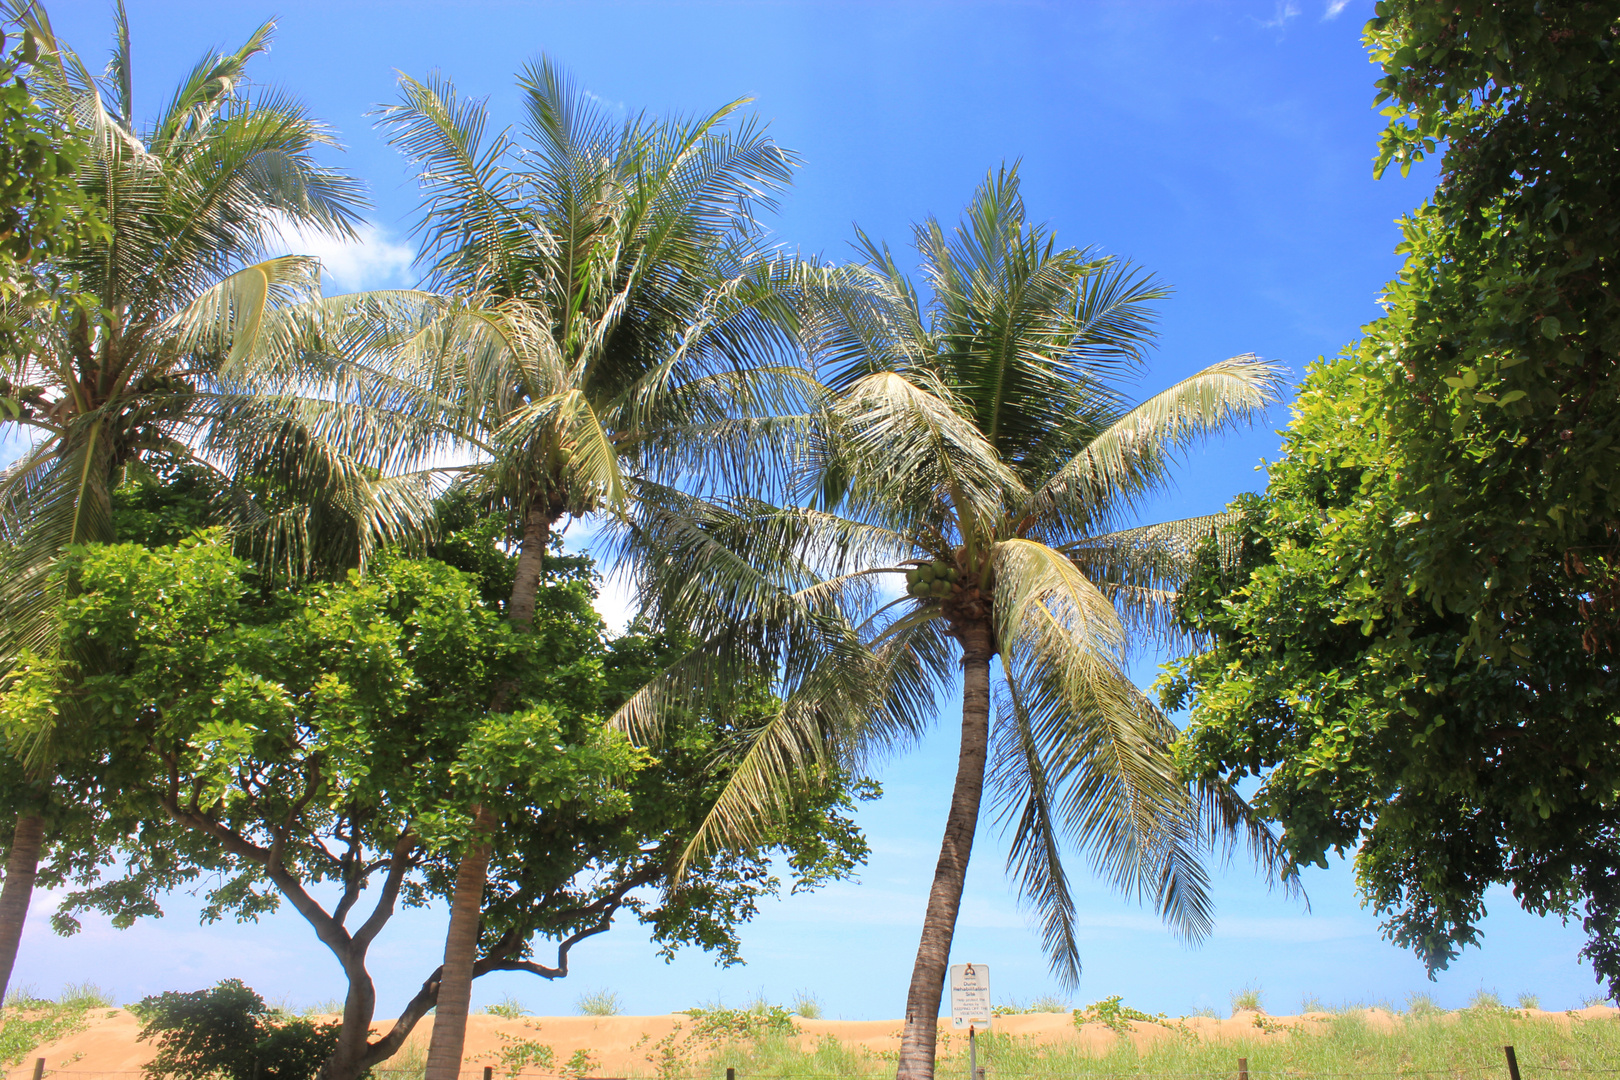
(1507, 1066)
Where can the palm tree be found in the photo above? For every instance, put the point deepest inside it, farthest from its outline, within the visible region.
(138, 362)
(964, 503)
(602, 319)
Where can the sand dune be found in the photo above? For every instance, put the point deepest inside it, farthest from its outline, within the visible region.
(620, 1046)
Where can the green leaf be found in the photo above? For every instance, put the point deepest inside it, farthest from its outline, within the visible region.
(1551, 327)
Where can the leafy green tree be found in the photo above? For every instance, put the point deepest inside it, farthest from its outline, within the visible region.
(278, 740)
(228, 1031)
(979, 456)
(1415, 645)
(163, 288)
(42, 217)
(603, 320)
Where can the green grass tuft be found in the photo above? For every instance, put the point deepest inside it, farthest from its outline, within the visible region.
(1248, 999)
(509, 1007)
(1421, 1005)
(598, 1003)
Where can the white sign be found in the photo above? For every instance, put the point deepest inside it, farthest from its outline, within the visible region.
(970, 996)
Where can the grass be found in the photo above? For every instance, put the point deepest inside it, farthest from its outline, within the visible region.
(1421, 1005)
(1249, 998)
(510, 1008)
(1466, 1044)
(408, 1064)
(30, 1021)
(1046, 1003)
(807, 1005)
(598, 1003)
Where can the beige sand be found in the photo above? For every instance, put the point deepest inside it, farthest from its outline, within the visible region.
(629, 1045)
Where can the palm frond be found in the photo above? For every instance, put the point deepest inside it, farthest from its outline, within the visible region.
(1141, 569)
(1131, 456)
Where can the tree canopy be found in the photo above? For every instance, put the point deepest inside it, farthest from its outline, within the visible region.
(273, 740)
(1415, 643)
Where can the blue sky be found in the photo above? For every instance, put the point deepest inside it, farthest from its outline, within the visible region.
(1225, 146)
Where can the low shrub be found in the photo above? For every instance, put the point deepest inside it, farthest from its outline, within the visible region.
(719, 1024)
(228, 1032)
(508, 1007)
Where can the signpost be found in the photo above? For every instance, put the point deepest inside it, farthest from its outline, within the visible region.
(970, 1006)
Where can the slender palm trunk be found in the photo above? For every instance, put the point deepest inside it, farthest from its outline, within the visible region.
(945, 898)
(21, 868)
(460, 951)
(531, 560)
(467, 902)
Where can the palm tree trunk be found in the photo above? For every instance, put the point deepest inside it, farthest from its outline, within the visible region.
(945, 898)
(460, 951)
(467, 902)
(21, 868)
(531, 560)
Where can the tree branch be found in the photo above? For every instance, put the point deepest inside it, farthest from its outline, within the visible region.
(398, 866)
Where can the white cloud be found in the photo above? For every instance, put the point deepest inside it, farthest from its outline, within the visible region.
(1334, 7)
(616, 602)
(1285, 10)
(374, 260)
(616, 106)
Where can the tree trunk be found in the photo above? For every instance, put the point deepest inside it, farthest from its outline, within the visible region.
(466, 905)
(18, 890)
(945, 898)
(531, 560)
(460, 953)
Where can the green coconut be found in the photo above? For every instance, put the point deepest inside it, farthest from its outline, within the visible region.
(913, 576)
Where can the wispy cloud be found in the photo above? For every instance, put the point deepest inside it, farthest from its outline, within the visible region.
(1334, 7)
(616, 106)
(1285, 10)
(374, 260)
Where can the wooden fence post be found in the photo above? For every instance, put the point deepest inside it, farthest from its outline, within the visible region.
(489, 1072)
(1243, 1069)
(1513, 1063)
(731, 1074)
(39, 1069)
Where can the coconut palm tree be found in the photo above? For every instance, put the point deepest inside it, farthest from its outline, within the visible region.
(965, 505)
(137, 361)
(601, 318)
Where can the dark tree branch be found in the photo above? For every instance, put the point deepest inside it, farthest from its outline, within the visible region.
(399, 865)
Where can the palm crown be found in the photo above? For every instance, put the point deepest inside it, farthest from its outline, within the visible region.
(174, 294)
(976, 456)
(603, 320)
(604, 315)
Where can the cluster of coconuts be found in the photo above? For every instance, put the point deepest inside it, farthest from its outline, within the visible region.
(932, 580)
